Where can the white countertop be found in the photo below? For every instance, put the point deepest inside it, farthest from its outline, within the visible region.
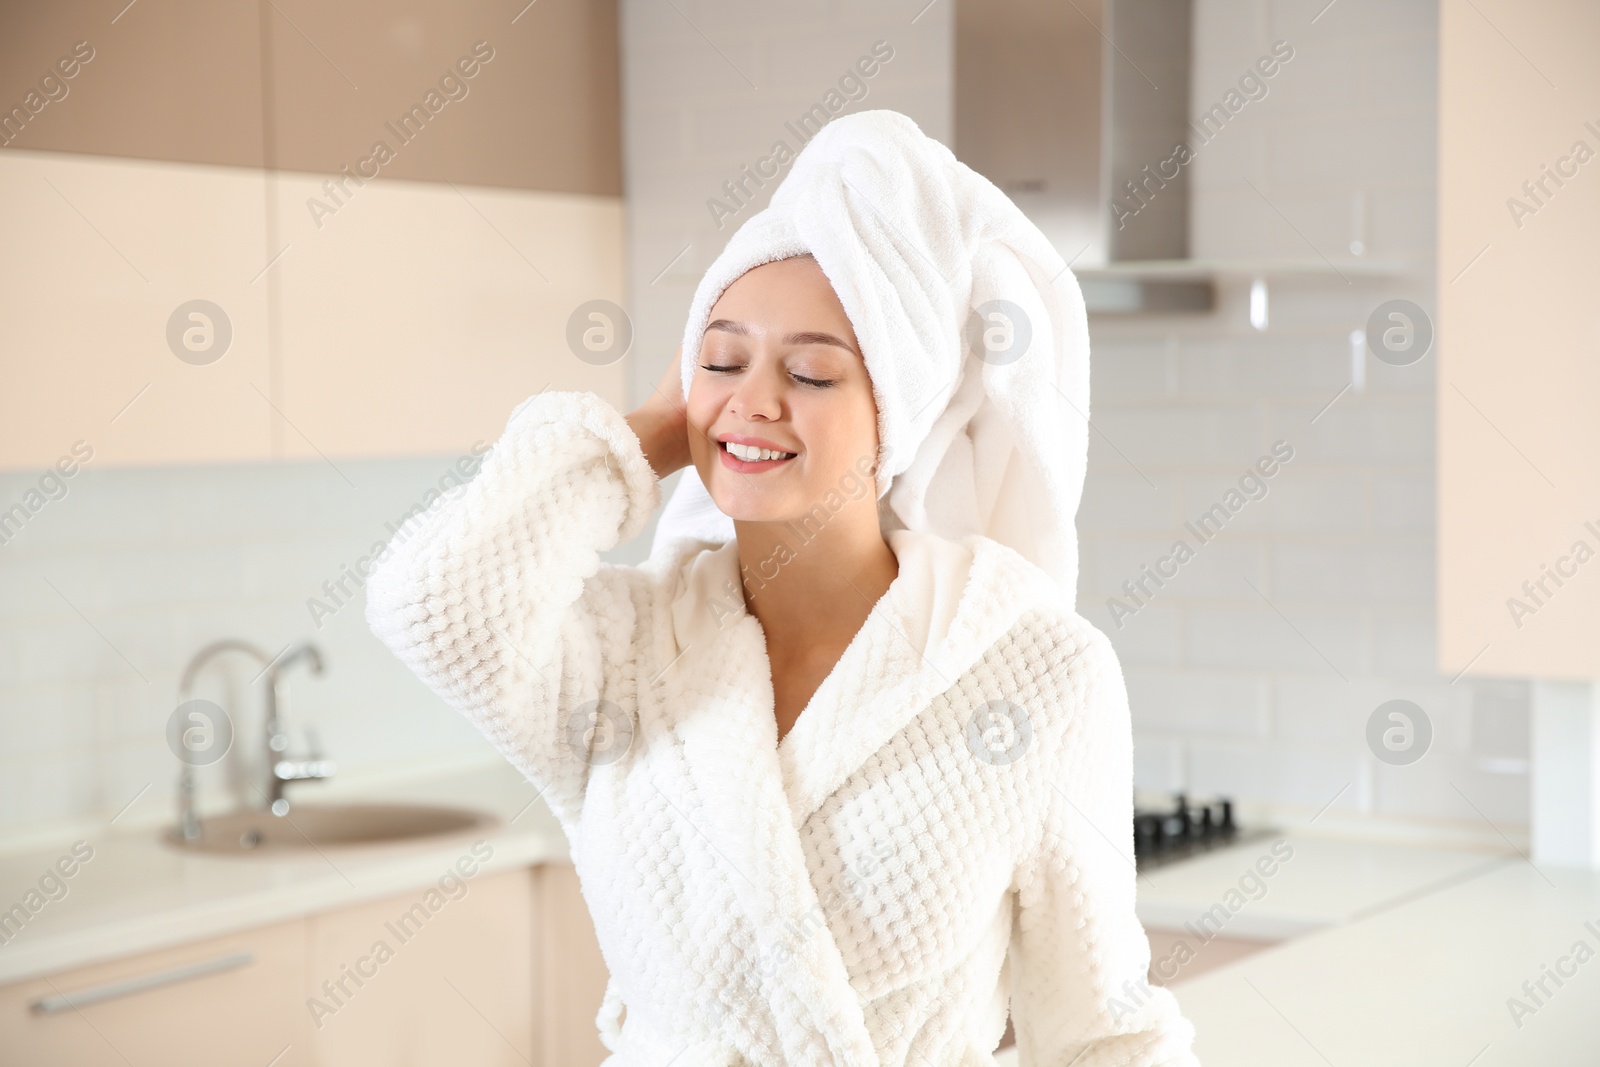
(138, 893)
(1324, 881)
(1422, 984)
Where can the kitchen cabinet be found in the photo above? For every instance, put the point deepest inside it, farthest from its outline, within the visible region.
(572, 975)
(247, 1011)
(497, 970)
(414, 979)
(448, 326)
(357, 303)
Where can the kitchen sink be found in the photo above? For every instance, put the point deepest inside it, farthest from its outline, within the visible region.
(324, 826)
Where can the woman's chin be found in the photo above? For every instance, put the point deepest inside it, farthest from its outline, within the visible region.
(749, 507)
(748, 513)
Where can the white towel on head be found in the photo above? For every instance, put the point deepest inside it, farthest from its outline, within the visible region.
(973, 437)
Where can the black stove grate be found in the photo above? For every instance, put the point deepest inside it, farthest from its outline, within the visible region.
(1164, 834)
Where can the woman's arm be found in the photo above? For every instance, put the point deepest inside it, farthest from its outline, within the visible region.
(1078, 953)
(661, 422)
(496, 597)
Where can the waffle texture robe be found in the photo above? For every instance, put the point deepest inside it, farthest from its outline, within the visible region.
(946, 829)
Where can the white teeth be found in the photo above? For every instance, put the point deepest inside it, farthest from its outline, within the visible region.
(751, 454)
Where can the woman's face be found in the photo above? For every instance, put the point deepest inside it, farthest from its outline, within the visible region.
(780, 368)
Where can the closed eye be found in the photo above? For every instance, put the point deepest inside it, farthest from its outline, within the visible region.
(817, 382)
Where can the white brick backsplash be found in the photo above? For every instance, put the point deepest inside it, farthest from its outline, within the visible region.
(98, 500)
(1230, 221)
(1196, 703)
(1375, 148)
(810, 62)
(1282, 774)
(127, 709)
(1403, 503)
(1403, 644)
(1326, 305)
(1451, 786)
(1125, 502)
(1158, 763)
(1313, 500)
(1354, 25)
(1222, 434)
(661, 134)
(124, 775)
(1380, 433)
(176, 572)
(1329, 78)
(1321, 709)
(1247, 366)
(1213, 571)
(1119, 370)
(62, 786)
(1378, 574)
(46, 720)
(205, 554)
(745, 131)
(1298, 498)
(1402, 224)
(27, 576)
(1153, 637)
(1222, 569)
(8, 657)
(1258, 638)
(690, 68)
(1216, 571)
(721, 21)
(1416, 379)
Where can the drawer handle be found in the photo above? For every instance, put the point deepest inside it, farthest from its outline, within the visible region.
(112, 990)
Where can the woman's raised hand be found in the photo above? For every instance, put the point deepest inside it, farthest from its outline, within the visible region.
(661, 423)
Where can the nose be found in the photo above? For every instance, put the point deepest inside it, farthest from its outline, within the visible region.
(757, 395)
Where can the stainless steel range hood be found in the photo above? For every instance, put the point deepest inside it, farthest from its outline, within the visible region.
(1075, 109)
(1069, 106)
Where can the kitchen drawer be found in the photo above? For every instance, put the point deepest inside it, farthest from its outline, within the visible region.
(226, 1000)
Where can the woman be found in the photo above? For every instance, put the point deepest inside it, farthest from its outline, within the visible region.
(840, 786)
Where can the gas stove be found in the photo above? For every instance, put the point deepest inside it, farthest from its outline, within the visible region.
(1182, 828)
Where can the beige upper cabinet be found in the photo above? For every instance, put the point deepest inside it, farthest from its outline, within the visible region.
(1518, 334)
(290, 231)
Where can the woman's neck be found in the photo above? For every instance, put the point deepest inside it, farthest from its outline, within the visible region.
(816, 592)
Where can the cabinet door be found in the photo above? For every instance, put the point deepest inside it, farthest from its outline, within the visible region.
(438, 975)
(572, 972)
(227, 1000)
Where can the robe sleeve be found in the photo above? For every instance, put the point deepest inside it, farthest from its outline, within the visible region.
(1078, 955)
(495, 595)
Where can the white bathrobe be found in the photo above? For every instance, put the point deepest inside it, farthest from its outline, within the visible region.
(947, 824)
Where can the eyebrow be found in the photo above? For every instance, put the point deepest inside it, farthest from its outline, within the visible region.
(804, 337)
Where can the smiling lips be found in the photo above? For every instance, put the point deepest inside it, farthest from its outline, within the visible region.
(745, 456)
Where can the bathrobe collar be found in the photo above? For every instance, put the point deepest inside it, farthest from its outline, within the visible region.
(948, 604)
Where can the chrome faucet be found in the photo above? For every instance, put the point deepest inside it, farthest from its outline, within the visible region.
(188, 821)
(280, 768)
(283, 770)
